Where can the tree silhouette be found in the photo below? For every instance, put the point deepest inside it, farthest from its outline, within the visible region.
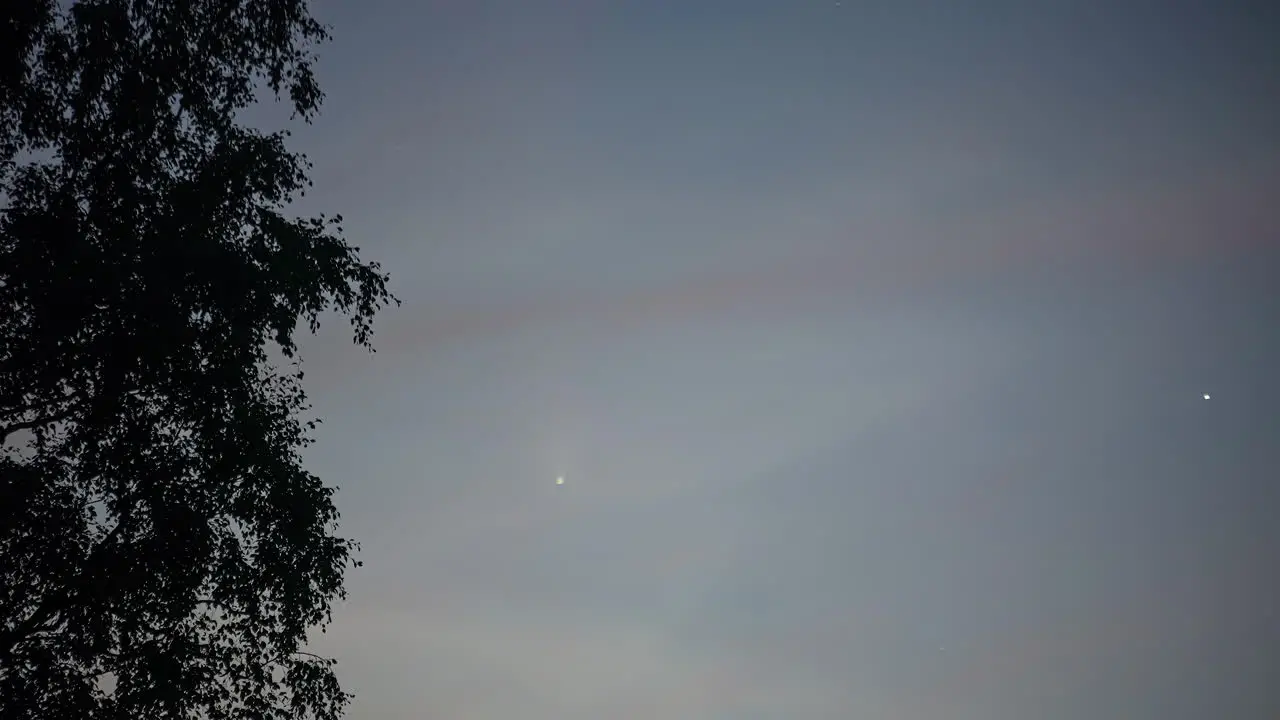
(163, 552)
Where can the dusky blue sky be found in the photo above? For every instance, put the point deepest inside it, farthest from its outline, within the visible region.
(869, 336)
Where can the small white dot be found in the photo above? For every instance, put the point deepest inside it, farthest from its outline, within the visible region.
(560, 480)
(1206, 396)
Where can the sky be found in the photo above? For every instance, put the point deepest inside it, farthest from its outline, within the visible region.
(871, 339)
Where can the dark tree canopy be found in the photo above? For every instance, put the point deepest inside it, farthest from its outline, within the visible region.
(163, 551)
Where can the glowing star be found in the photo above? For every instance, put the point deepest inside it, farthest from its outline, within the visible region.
(1206, 396)
(560, 480)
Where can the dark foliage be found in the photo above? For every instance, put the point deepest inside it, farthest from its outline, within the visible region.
(163, 552)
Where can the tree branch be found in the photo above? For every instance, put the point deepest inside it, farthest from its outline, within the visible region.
(54, 602)
(282, 656)
(12, 406)
(8, 430)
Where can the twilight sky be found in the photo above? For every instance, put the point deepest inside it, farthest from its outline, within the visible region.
(869, 336)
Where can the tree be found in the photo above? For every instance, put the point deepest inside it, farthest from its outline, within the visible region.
(163, 551)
